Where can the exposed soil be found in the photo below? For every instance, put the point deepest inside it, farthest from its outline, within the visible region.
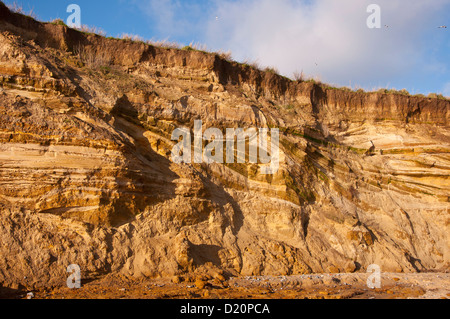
(318, 286)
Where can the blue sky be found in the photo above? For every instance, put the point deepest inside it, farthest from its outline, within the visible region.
(326, 39)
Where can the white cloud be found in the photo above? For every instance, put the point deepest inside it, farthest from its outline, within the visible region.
(297, 35)
(324, 38)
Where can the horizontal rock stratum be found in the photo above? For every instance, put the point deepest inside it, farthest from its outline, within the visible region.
(86, 175)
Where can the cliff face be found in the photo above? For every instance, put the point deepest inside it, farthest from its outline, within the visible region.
(86, 175)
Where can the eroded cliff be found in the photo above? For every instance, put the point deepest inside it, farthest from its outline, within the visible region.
(86, 175)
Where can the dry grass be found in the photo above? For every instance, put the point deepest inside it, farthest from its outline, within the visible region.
(92, 58)
(225, 55)
(163, 44)
(252, 64)
(299, 76)
(196, 47)
(315, 80)
(18, 8)
(271, 69)
(302, 77)
(131, 37)
(94, 30)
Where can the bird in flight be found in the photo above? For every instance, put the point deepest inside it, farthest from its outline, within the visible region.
(443, 27)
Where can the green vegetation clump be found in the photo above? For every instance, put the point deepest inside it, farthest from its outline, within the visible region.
(406, 93)
(394, 91)
(313, 81)
(437, 96)
(58, 22)
(272, 70)
(289, 106)
(195, 47)
(344, 88)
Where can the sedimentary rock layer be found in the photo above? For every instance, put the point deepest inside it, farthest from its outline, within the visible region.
(86, 175)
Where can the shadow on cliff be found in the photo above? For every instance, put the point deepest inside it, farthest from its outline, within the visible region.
(9, 293)
(203, 254)
(147, 174)
(218, 195)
